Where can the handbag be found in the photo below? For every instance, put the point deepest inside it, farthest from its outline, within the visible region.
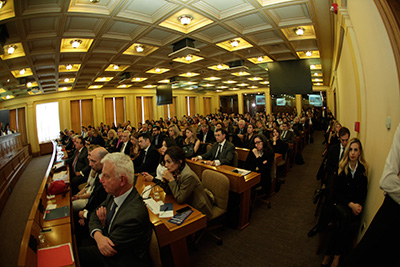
(57, 187)
(189, 150)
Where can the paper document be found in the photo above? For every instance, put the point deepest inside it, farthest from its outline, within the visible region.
(152, 205)
(241, 171)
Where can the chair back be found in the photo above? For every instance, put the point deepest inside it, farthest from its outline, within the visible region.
(273, 170)
(154, 250)
(218, 184)
(235, 160)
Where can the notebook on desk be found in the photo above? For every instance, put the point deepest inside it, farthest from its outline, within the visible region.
(56, 213)
(55, 256)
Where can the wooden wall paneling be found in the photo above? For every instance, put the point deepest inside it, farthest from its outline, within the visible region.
(109, 111)
(75, 115)
(120, 109)
(87, 112)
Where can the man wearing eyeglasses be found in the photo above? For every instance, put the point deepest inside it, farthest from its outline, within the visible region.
(221, 153)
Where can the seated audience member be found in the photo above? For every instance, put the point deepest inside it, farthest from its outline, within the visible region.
(228, 127)
(191, 144)
(287, 135)
(124, 145)
(249, 136)
(260, 159)
(277, 144)
(239, 133)
(261, 128)
(206, 136)
(79, 165)
(222, 152)
(120, 226)
(157, 137)
(148, 158)
(342, 216)
(112, 140)
(97, 139)
(135, 148)
(157, 176)
(183, 182)
(175, 133)
(145, 128)
(96, 192)
(297, 127)
(119, 136)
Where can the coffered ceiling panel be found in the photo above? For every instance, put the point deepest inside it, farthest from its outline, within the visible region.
(114, 31)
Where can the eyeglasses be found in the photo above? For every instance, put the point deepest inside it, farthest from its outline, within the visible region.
(258, 142)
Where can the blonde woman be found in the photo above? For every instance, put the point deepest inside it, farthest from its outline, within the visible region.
(174, 133)
(112, 140)
(343, 213)
(191, 144)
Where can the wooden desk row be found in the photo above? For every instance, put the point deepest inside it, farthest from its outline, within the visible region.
(52, 233)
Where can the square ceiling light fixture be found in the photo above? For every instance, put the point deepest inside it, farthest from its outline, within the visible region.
(235, 44)
(70, 45)
(141, 50)
(186, 21)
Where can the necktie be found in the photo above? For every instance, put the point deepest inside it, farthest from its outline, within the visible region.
(75, 161)
(110, 214)
(123, 147)
(218, 151)
(144, 157)
(284, 134)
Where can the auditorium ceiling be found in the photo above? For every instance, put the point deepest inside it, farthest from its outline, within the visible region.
(59, 45)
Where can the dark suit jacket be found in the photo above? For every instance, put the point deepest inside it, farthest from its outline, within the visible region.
(210, 137)
(82, 165)
(225, 156)
(160, 138)
(332, 163)
(127, 150)
(97, 196)
(130, 231)
(150, 163)
(289, 138)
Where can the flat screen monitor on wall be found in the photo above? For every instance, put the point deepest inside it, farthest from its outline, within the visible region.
(281, 101)
(260, 99)
(290, 77)
(315, 100)
(164, 94)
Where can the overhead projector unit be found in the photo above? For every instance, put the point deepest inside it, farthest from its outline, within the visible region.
(237, 64)
(183, 48)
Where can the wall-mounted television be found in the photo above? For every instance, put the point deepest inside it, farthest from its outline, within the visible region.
(315, 100)
(281, 101)
(164, 94)
(260, 99)
(290, 77)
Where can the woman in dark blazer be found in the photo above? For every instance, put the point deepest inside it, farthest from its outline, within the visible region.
(248, 138)
(260, 159)
(342, 216)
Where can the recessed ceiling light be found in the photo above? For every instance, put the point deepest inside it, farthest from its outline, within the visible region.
(312, 66)
(234, 43)
(157, 69)
(29, 84)
(11, 49)
(299, 31)
(115, 67)
(2, 3)
(22, 72)
(66, 80)
(139, 48)
(76, 43)
(220, 66)
(260, 59)
(188, 57)
(185, 19)
(68, 67)
(308, 53)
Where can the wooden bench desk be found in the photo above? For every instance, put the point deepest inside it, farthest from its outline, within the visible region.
(172, 234)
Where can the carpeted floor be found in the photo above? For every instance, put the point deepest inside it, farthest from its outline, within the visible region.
(16, 212)
(276, 236)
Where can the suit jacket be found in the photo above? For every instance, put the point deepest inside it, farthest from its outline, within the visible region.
(97, 196)
(332, 163)
(289, 138)
(160, 138)
(82, 164)
(188, 189)
(225, 156)
(130, 231)
(210, 136)
(127, 150)
(150, 162)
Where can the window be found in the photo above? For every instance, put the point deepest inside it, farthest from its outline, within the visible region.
(47, 121)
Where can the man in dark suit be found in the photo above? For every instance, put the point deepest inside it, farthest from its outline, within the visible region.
(121, 226)
(206, 135)
(240, 131)
(287, 135)
(98, 194)
(149, 157)
(125, 145)
(335, 155)
(158, 137)
(79, 164)
(221, 153)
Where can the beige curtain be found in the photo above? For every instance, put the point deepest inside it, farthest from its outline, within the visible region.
(120, 109)
(13, 119)
(75, 116)
(148, 107)
(207, 105)
(172, 108)
(139, 108)
(109, 111)
(22, 125)
(192, 105)
(87, 112)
